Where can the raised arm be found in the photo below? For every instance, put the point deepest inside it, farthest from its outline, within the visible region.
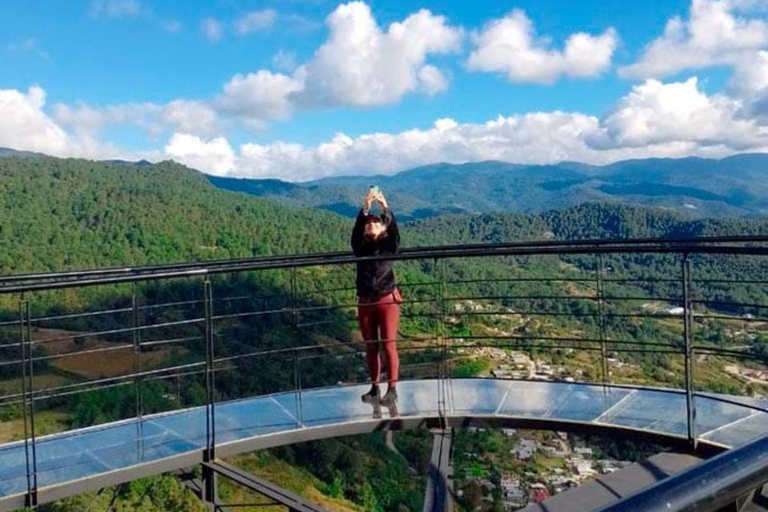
(357, 233)
(393, 232)
(359, 229)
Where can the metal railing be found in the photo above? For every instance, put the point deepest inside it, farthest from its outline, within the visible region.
(707, 487)
(189, 332)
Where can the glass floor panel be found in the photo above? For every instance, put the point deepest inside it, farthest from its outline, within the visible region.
(68, 456)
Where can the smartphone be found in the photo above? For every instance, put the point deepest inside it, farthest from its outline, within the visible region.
(375, 189)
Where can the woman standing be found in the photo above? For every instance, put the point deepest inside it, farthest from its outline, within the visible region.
(379, 300)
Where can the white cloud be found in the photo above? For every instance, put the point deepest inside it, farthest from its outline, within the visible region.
(432, 80)
(536, 138)
(258, 96)
(531, 138)
(716, 32)
(212, 29)
(188, 116)
(654, 113)
(362, 65)
(359, 65)
(750, 84)
(24, 125)
(509, 45)
(214, 156)
(115, 8)
(255, 21)
(654, 120)
(751, 75)
(284, 61)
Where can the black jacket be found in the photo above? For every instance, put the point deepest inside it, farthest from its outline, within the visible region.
(375, 278)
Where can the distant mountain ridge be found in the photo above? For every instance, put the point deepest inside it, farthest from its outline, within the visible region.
(61, 214)
(8, 152)
(700, 187)
(732, 186)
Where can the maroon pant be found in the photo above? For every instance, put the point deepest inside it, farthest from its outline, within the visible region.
(379, 320)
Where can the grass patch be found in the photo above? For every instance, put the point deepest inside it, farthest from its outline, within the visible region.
(100, 365)
(46, 422)
(300, 481)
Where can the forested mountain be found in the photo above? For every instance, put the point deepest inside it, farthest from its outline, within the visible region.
(65, 213)
(736, 185)
(586, 221)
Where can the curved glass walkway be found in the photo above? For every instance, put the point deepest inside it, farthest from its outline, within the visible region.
(289, 417)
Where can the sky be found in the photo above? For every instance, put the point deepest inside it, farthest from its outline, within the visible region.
(304, 89)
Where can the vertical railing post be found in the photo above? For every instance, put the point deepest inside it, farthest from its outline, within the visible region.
(299, 389)
(209, 476)
(605, 374)
(296, 387)
(294, 299)
(136, 346)
(137, 368)
(32, 429)
(440, 339)
(296, 360)
(690, 402)
(28, 405)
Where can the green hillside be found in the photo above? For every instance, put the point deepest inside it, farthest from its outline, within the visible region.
(586, 221)
(60, 214)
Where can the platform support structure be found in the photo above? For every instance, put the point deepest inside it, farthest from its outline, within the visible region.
(438, 496)
(293, 502)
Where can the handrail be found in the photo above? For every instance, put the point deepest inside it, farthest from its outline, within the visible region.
(535, 243)
(704, 245)
(293, 257)
(706, 487)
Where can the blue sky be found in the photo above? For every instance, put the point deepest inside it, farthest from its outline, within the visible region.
(159, 79)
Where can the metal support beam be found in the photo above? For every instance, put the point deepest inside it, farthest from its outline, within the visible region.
(293, 502)
(439, 494)
(210, 487)
(195, 485)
